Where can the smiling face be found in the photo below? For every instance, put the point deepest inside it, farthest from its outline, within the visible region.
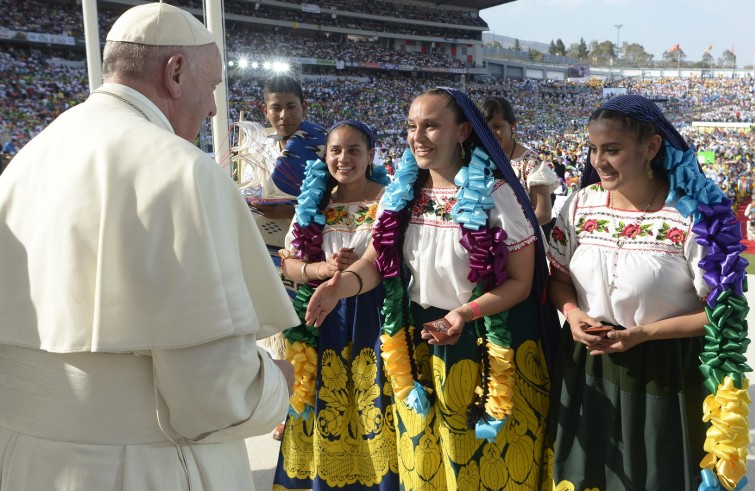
(618, 156)
(285, 112)
(347, 154)
(434, 133)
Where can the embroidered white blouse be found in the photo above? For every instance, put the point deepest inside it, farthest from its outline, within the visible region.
(439, 264)
(655, 273)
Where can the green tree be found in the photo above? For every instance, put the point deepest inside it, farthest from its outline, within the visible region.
(560, 48)
(601, 53)
(674, 58)
(707, 60)
(552, 48)
(517, 46)
(635, 55)
(728, 59)
(535, 55)
(578, 50)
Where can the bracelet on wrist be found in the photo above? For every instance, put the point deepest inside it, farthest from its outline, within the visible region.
(476, 310)
(284, 254)
(568, 308)
(359, 279)
(304, 274)
(317, 271)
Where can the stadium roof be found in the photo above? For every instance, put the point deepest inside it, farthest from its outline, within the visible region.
(475, 4)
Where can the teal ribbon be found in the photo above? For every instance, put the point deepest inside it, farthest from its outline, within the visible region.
(711, 482)
(417, 400)
(687, 184)
(401, 190)
(312, 189)
(488, 427)
(304, 414)
(473, 199)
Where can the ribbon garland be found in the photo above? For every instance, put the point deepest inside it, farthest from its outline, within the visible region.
(723, 356)
(302, 340)
(488, 258)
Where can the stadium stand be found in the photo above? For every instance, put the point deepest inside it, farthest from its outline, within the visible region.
(372, 78)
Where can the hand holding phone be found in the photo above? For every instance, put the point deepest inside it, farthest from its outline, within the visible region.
(606, 327)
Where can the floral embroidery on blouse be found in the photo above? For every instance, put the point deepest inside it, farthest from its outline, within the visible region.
(633, 230)
(434, 205)
(591, 225)
(676, 235)
(558, 235)
(341, 215)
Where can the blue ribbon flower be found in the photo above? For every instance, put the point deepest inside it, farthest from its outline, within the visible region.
(304, 414)
(417, 400)
(313, 187)
(399, 192)
(475, 186)
(488, 427)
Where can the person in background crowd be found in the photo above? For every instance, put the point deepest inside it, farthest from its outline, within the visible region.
(750, 216)
(536, 177)
(132, 302)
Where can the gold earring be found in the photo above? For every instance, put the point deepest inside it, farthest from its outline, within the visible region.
(463, 153)
(651, 175)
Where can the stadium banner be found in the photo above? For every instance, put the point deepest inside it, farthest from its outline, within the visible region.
(38, 37)
(708, 157)
(310, 7)
(609, 92)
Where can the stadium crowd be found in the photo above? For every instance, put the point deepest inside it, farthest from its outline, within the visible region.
(37, 85)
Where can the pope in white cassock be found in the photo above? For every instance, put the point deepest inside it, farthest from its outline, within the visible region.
(134, 285)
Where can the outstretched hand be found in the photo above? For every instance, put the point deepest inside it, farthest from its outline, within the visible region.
(323, 301)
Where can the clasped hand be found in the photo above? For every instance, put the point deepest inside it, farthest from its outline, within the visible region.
(614, 341)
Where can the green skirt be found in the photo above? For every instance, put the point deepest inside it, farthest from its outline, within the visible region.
(629, 421)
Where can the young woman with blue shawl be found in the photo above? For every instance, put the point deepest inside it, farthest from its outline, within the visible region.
(339, 433)
(646, 269)
(457, 240)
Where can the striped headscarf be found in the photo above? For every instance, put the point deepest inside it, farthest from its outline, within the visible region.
(641, 109)
(548, 327)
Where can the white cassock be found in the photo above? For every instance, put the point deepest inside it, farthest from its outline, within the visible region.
(133, 287)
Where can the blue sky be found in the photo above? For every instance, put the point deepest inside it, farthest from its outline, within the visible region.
(655, 24)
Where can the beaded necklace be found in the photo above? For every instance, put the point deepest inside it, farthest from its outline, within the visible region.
(621, 241)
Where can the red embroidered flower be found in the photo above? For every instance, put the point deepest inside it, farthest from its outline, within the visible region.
(557, 234)
(675, 235)
(630, 231)
(449, 205)
(590, 225)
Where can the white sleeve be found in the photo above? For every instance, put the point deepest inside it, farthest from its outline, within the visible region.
(225, 390)
(543, 175)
